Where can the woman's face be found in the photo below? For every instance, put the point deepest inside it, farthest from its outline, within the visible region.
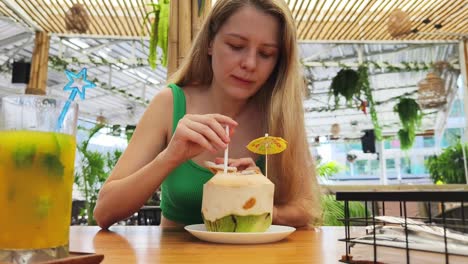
(244, 52)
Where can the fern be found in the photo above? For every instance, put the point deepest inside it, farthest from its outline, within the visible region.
(333, 210)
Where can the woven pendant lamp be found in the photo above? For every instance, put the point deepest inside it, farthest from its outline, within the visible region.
(335, 131)
(77, 19)
(398, 23)
(431, 92)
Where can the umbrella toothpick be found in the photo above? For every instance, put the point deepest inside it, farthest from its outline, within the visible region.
(267, 145)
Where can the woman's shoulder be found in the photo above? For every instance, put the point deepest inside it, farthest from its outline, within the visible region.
(161, 102)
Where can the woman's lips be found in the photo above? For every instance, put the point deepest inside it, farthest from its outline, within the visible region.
(242, 80)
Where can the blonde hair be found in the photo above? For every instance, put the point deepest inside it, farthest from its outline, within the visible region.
(292, 171)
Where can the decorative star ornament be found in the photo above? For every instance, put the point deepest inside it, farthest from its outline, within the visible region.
(78, 83)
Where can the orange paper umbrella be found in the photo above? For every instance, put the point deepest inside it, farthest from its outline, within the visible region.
(267, 145)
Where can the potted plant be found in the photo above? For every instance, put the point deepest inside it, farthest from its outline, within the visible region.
(94, 169)
(448, 167)
(345, 83)
(351, 84)
(410, 116)
(333, 210)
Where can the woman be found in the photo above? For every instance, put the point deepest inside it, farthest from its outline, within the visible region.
(243, 72)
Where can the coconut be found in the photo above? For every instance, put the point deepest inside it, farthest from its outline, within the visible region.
(237, 201)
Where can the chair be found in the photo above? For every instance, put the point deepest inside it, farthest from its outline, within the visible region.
(149, 215)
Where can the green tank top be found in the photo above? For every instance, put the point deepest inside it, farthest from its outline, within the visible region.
(182, 190)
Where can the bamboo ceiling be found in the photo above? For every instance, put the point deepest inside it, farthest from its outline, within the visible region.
(120, 18)
(323, 20)
(367, 19)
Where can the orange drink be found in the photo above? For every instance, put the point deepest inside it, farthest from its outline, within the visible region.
(37, 157)
(36, 178)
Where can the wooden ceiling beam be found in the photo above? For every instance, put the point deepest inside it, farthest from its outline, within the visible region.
(12, 5)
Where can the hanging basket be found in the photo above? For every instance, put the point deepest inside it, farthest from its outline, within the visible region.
(398, 23)
(100, 119)
(77, 19)
(431, 92)
(335, 131)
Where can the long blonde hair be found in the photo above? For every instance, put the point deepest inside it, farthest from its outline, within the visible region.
(292, 171)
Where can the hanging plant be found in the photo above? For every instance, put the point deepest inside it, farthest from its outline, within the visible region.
(410, 117)
(159, 15)
(406, 138)
(363, 72)
(350, 84)
(345, 83)
(201, 6)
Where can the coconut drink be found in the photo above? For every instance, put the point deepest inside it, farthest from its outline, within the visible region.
(237, 201)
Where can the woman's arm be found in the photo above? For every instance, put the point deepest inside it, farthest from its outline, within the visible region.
(141, 168)
(148, 158)
(291, 215)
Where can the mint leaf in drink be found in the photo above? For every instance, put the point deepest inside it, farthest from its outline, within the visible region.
(43, 205)
(54, 165)
(11, 194)
(24, 155)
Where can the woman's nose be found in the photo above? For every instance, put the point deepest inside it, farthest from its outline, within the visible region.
(249, 61)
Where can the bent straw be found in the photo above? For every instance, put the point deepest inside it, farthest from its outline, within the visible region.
(65, 109)
(79, 88)
(226, 152)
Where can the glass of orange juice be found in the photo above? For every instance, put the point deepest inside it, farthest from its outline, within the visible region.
(37, 155)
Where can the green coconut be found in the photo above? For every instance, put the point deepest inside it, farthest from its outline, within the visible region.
(238, 202)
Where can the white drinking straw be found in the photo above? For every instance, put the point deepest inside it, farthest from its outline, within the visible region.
(226, 152)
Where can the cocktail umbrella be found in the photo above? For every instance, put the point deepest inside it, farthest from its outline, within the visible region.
(267, 145)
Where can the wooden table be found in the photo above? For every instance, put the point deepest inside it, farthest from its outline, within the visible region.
(153, 244)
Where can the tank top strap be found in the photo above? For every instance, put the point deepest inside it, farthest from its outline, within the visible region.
(179, 104)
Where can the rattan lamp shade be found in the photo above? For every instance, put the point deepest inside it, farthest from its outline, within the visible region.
(77, 19)
(431, 91)
(398, 23)
(335, 130)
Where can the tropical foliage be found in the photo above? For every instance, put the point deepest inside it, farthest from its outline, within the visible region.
(448, 167)
(93, 172)
(333, 210)
(159, 17)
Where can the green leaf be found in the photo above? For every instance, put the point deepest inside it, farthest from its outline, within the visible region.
(43, 205)
(24, 155)
(53, 164)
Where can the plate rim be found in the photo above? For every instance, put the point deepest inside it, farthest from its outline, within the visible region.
(287, 229)
(240, 237)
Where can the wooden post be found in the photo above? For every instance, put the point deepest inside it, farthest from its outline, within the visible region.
(184, 24)
(39, 64)
(464, 72)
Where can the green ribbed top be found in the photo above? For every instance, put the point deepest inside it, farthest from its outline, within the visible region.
(182, 190)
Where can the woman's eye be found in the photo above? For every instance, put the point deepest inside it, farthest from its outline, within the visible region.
(235, 47)
(265, 55)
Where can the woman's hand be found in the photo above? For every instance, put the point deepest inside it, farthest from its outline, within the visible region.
(197, 133)
(241, 164)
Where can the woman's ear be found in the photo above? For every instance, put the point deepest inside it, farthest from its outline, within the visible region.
(210, 48)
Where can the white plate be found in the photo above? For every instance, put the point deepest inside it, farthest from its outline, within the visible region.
(273, 234)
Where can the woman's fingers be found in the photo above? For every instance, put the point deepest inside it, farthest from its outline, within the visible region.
(217, 123)
(241, 163)
(197, 132)
(207, 133)
(190, 135)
